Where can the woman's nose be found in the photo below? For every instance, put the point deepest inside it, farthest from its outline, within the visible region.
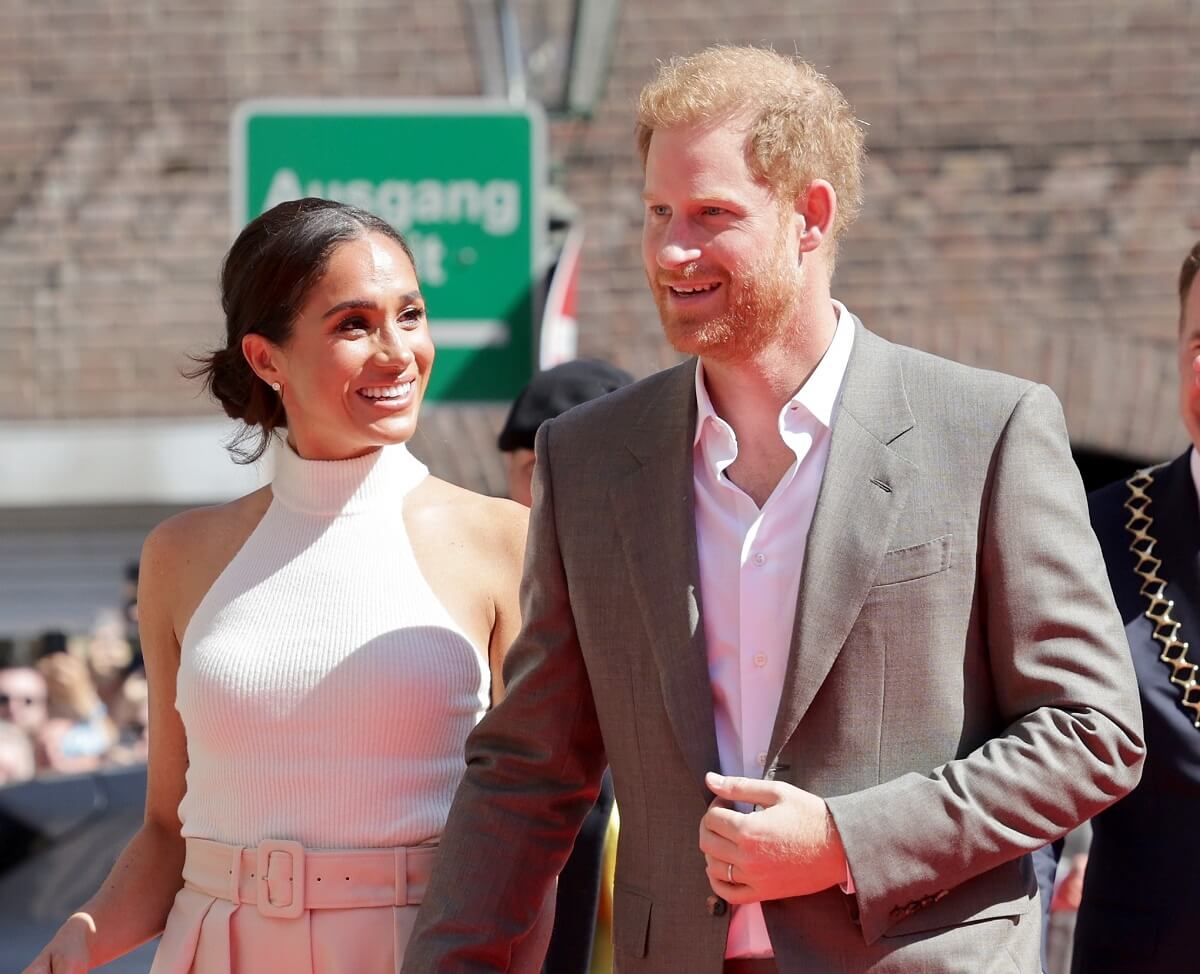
(393, 347)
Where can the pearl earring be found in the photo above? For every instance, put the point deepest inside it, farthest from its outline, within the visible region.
(276, 386)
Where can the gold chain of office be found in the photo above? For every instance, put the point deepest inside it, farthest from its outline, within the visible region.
(1154, 588)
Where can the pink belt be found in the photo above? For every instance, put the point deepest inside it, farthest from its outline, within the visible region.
(283, 879)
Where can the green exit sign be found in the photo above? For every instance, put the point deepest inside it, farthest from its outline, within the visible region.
(460, 178)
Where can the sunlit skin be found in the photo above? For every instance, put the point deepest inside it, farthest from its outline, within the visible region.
(363, 327)
(766, 318)
(739, 256)
(1188, 361)
(709, 222)
(518, 465)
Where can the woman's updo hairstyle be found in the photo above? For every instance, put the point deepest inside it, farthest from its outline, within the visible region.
(265, 280)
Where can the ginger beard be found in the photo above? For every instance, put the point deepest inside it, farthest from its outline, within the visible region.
(759, 304)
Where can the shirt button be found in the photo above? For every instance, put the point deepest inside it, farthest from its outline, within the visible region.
(760, 558)
(762, 759)
(760, 659)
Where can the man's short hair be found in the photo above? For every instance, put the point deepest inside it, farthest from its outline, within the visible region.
(801, 126)
(1187, 274)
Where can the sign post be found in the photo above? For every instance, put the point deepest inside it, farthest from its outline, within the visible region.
(460, 178)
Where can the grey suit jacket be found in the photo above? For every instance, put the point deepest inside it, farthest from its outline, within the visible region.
(959, 687)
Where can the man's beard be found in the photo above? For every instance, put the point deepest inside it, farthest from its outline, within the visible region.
(759, 306)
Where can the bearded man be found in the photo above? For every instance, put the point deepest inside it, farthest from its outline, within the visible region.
(831, 608)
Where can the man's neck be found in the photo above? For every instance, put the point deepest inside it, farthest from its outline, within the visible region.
(749, 395)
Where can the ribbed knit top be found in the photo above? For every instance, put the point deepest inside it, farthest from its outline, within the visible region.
(325, 690)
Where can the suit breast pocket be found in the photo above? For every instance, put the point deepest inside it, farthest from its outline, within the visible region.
(915, 561)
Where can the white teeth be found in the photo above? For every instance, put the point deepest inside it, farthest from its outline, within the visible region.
(694, 290)
(386, 392)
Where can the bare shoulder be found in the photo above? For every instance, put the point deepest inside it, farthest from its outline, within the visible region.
(183, 555)
(471, 549)
(489, 526)
(203, 531)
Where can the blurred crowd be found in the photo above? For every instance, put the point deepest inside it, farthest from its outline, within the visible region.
(76, 702)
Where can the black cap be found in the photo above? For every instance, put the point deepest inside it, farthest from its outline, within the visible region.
(553, 392)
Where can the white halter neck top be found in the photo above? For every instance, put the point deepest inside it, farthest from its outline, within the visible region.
(325, 690)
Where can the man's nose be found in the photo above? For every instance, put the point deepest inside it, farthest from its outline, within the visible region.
(673, 255)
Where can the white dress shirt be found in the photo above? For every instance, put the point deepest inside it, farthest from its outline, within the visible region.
(750, 566)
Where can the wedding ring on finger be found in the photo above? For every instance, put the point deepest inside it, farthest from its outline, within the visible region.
(729, 874)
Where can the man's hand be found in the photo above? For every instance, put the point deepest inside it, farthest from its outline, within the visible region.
(788, 848)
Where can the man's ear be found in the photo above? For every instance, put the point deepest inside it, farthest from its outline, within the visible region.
(264, 357)
(816, 209)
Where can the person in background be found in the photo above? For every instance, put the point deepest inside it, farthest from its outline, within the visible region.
(129, 613)
(1062, 886)
(24, 699)
(318, 650)
(109, 656)
(1141, 894)
(549, 394)
(131, 716)
(16, 755)
(830, 608)
(78, 733)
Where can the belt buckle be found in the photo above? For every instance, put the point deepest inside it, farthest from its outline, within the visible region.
(282, 856)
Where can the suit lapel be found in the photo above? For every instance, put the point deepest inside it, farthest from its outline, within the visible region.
(863, 491)
(655, 520)
(1175, 494)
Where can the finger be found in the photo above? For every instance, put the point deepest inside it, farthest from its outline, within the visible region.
(714, 868)
(725, 822)
(719, 871)
(753, 791)
(712, 844)
(735, 893)
(718, 868)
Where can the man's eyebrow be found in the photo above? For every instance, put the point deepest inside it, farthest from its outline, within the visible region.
(717, 198)
(366, 304)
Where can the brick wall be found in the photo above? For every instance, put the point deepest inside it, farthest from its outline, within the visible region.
(1033, 185)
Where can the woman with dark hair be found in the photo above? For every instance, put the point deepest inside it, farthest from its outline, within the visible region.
(318, 650)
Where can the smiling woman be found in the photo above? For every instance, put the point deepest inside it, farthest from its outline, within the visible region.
(317, 651)
(290, 291)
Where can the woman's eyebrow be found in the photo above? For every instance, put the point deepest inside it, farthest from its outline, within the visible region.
(366, 304)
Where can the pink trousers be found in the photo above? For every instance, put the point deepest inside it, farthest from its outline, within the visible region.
(281, 908)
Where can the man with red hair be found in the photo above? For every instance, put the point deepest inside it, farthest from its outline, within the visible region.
(830, 607)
